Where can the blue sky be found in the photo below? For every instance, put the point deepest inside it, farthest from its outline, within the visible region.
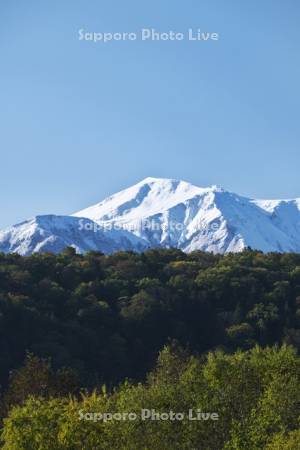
(80, 121)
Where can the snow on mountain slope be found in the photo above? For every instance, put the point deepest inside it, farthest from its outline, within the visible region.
(147, 198)
(52, 233)
(175, 213)
(164, 213)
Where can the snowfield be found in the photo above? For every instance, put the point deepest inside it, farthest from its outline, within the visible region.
(164, 213)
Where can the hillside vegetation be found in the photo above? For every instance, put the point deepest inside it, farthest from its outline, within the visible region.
(83, 333)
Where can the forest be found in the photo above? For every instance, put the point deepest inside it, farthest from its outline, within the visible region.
(160, 329)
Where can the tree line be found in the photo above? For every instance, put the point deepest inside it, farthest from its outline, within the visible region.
(107, 317)
(71, 324)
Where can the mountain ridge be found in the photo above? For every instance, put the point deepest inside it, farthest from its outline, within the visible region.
(161, 212)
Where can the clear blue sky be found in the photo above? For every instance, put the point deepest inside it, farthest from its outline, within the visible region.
(80, 120)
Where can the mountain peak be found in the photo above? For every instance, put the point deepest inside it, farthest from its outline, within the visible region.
(163, 212)
(176, 182)
(152, 180)
(191, 217)
(163, 181)
(217, 188)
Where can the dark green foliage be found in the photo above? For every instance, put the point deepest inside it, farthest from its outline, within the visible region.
(102, 319)
(107, 317)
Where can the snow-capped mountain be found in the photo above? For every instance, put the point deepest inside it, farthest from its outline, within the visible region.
(52, 233)
(172, 213)
(164, 213)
